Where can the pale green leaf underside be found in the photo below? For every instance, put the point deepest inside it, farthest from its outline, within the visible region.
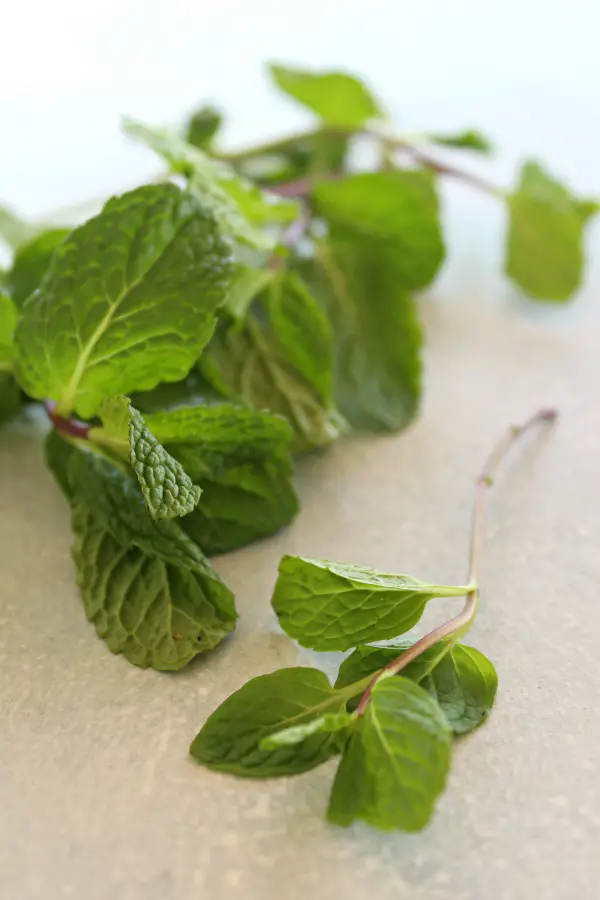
(395, 765)
(145, 585)
(129, 301)
(337, 98)
(544, 245)
(334, 606)
(230, 739)
(289, 737)
(238, 205)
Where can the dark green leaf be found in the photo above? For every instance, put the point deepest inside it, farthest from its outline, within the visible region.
(544, 246)
(202, 126)
(464, 683)
(396, 763)
(129, 301)
(260, 364)
(58, 453)
(340, 100)
(167, 489)
(367, 660)
(32, 261)
(464, 140)
(10, 397)
(296, 734)
(241, 459)
(230, 739)
(238, 205)
(333, 606)
(193, 390)
(145, 585)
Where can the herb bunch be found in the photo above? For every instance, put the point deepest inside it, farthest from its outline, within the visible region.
(191, 338)
(395, 707)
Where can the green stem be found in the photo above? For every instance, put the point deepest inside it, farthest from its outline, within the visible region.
(456, 627)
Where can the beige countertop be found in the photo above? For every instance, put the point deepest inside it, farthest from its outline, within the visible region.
(98, 797)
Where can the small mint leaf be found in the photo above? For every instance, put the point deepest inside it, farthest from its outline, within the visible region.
(544, 244)
(464, 140)
(339, 99)
(289, 737)
(334, 606)
(396, 762)
(130, 301)
(202, 126)
(230, 740)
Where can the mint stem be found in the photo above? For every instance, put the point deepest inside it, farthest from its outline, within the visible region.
(71, 427)
(460, 624)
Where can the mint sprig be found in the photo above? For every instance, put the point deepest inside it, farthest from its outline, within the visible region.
(393, 709)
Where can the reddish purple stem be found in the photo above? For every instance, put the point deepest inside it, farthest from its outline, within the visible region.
(72, 427)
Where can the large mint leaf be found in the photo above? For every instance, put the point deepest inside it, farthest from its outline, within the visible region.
(334, 606)
(230, 739)
(280, 359)
(460, 678)
(31, 262)
(544, 245)
(396, 763)
(340, 100)
(129, 301)
(239, 206)
(145, 585)
(167, 489)
(241, 459)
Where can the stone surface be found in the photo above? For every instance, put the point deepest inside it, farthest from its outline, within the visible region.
(99, 799)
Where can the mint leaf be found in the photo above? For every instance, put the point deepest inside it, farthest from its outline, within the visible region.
(279, 359)
(167, 489)
(241, 459)
(396, 211)
(396, 763)
(230, 739)
(129, 301)
(289, 737)
(244, 287)
(238, 205)
(333, 606)
(8, 323)
(460, 678)
(544, 244)
(31, 262)
(298, 158)
(464, 140)
(464, 683)
(10, 397)
(145, 585)
(202, 126)
(340, 100)
(58, 453)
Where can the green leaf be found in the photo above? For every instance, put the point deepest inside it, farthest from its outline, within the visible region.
(230, 739)
(297, 158)
(14, 231)
(58, 453)
(464, 683)
(544, 245)
(145, 585)
(464, 140)
(279, 359)
(32, 261)
(202, 126)
(289, 737)
(167, 489)
(238, 205)
(334, 606)
(397, 210)
(8, 323)
(340, 100)
(245, 285)
(378, 336)
(10, 397)
(129, 301)
(241, 458)
(193, 390)
(460, 678)
(396, 764)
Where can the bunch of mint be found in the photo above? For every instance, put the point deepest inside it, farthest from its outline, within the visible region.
(200, 330)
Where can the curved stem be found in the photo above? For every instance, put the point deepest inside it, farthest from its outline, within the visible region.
(461, 623)
(72, 427)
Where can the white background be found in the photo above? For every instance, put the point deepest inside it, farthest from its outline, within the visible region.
(525, 71)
